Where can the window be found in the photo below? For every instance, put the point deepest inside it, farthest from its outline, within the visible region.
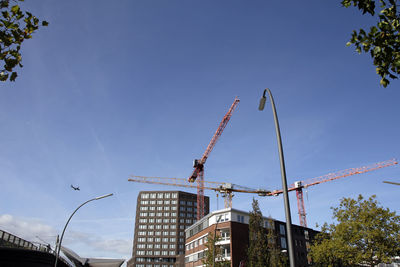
(153, 195)
(188, 220)
(144, 202)
(159, 220)
(173, 208)
(142, 220)
(140, 252)
(150, 233)
(165, 239)
(151, 220)
(172, 252)
(141, 239)
(172, 246)
(152, 202)
(141, 233)
(167, 202)
(165, 226)
(173, 226)
(144, 208)
(141, 246)
(151, 214)
(151, 226)
(282, 229)
(165, 246)
(166, 208)
(164, 252)
(158, 246)
(225, 234)
(159, 208)
(166, 214)
(189, 209)
(159, 214)
(173, 214)
(167, 195)
(181, 233)
(150, 239)
(150, 246)
(172, 239)
(158, 226)
(159, 202)
(172, 233)
(181, 220)
(157, 240)
(158, 233)
(156, 252)
(152, 208)
(145, 196)
(283, 242)
(140, 259)
(165, 233)
(201, 241)
(181, 208)
(174, 202)
(306, 235)
(143, 214)
(196, 243)
(142, 226)
(189, 203)
(149, 252)
(160, 195)
(182, 202)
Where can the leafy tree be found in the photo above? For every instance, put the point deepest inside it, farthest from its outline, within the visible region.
(276, 257)
(15, 27)
(365, 233)
(382, 40)
(257, 253)
(208, 259)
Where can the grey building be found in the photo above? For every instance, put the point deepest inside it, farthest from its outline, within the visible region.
(161, 220)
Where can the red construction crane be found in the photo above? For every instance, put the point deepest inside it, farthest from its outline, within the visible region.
(198, 164)
(226, 189)
(299, 185)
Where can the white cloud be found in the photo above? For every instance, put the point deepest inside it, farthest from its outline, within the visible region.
(27, 229)
(30, 228)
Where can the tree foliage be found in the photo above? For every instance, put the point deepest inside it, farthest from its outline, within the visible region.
(15, 27)
(257, 254)
(381, 41)
(365, 233)
(208, 259)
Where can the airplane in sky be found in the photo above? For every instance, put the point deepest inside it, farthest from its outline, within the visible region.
(75, 188)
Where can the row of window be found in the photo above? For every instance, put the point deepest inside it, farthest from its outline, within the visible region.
(158, 246)
(158, 214)
(166, 220)
(159, 239)
(166, 214)
(156, 252)
(151, 220)
(159, 208)
(159, 195)
(159, 202)
(157, 226)
(164, 233)
(196, 243)
(168, 202)
(195, 257)
(155, 265)
(151, 259)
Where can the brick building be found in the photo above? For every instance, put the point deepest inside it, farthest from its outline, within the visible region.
(233, 227)
(161, 218)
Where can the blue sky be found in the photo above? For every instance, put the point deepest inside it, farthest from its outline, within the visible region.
(139, 87)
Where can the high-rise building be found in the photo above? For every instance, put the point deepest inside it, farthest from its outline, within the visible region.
(161, 220)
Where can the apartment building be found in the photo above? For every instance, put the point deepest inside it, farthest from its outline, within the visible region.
(161, 219)
(233, 227)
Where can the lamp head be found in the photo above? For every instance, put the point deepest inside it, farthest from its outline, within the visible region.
(262, 101)
(108, 195)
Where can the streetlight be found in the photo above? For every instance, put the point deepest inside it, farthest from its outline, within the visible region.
(65, 227)
(283, 174)
(388, 182)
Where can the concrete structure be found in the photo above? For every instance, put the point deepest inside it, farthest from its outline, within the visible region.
(233, 227)
(161, 219)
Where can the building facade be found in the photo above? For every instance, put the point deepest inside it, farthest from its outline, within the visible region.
(233, 228)
(161, 220)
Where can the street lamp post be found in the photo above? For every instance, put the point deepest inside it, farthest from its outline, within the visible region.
(283, 175)
(65, 227)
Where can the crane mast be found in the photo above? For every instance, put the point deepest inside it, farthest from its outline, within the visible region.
(198, 164)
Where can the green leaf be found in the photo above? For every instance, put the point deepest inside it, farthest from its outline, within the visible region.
(384, 82)
(15, 9)
(45, 23)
